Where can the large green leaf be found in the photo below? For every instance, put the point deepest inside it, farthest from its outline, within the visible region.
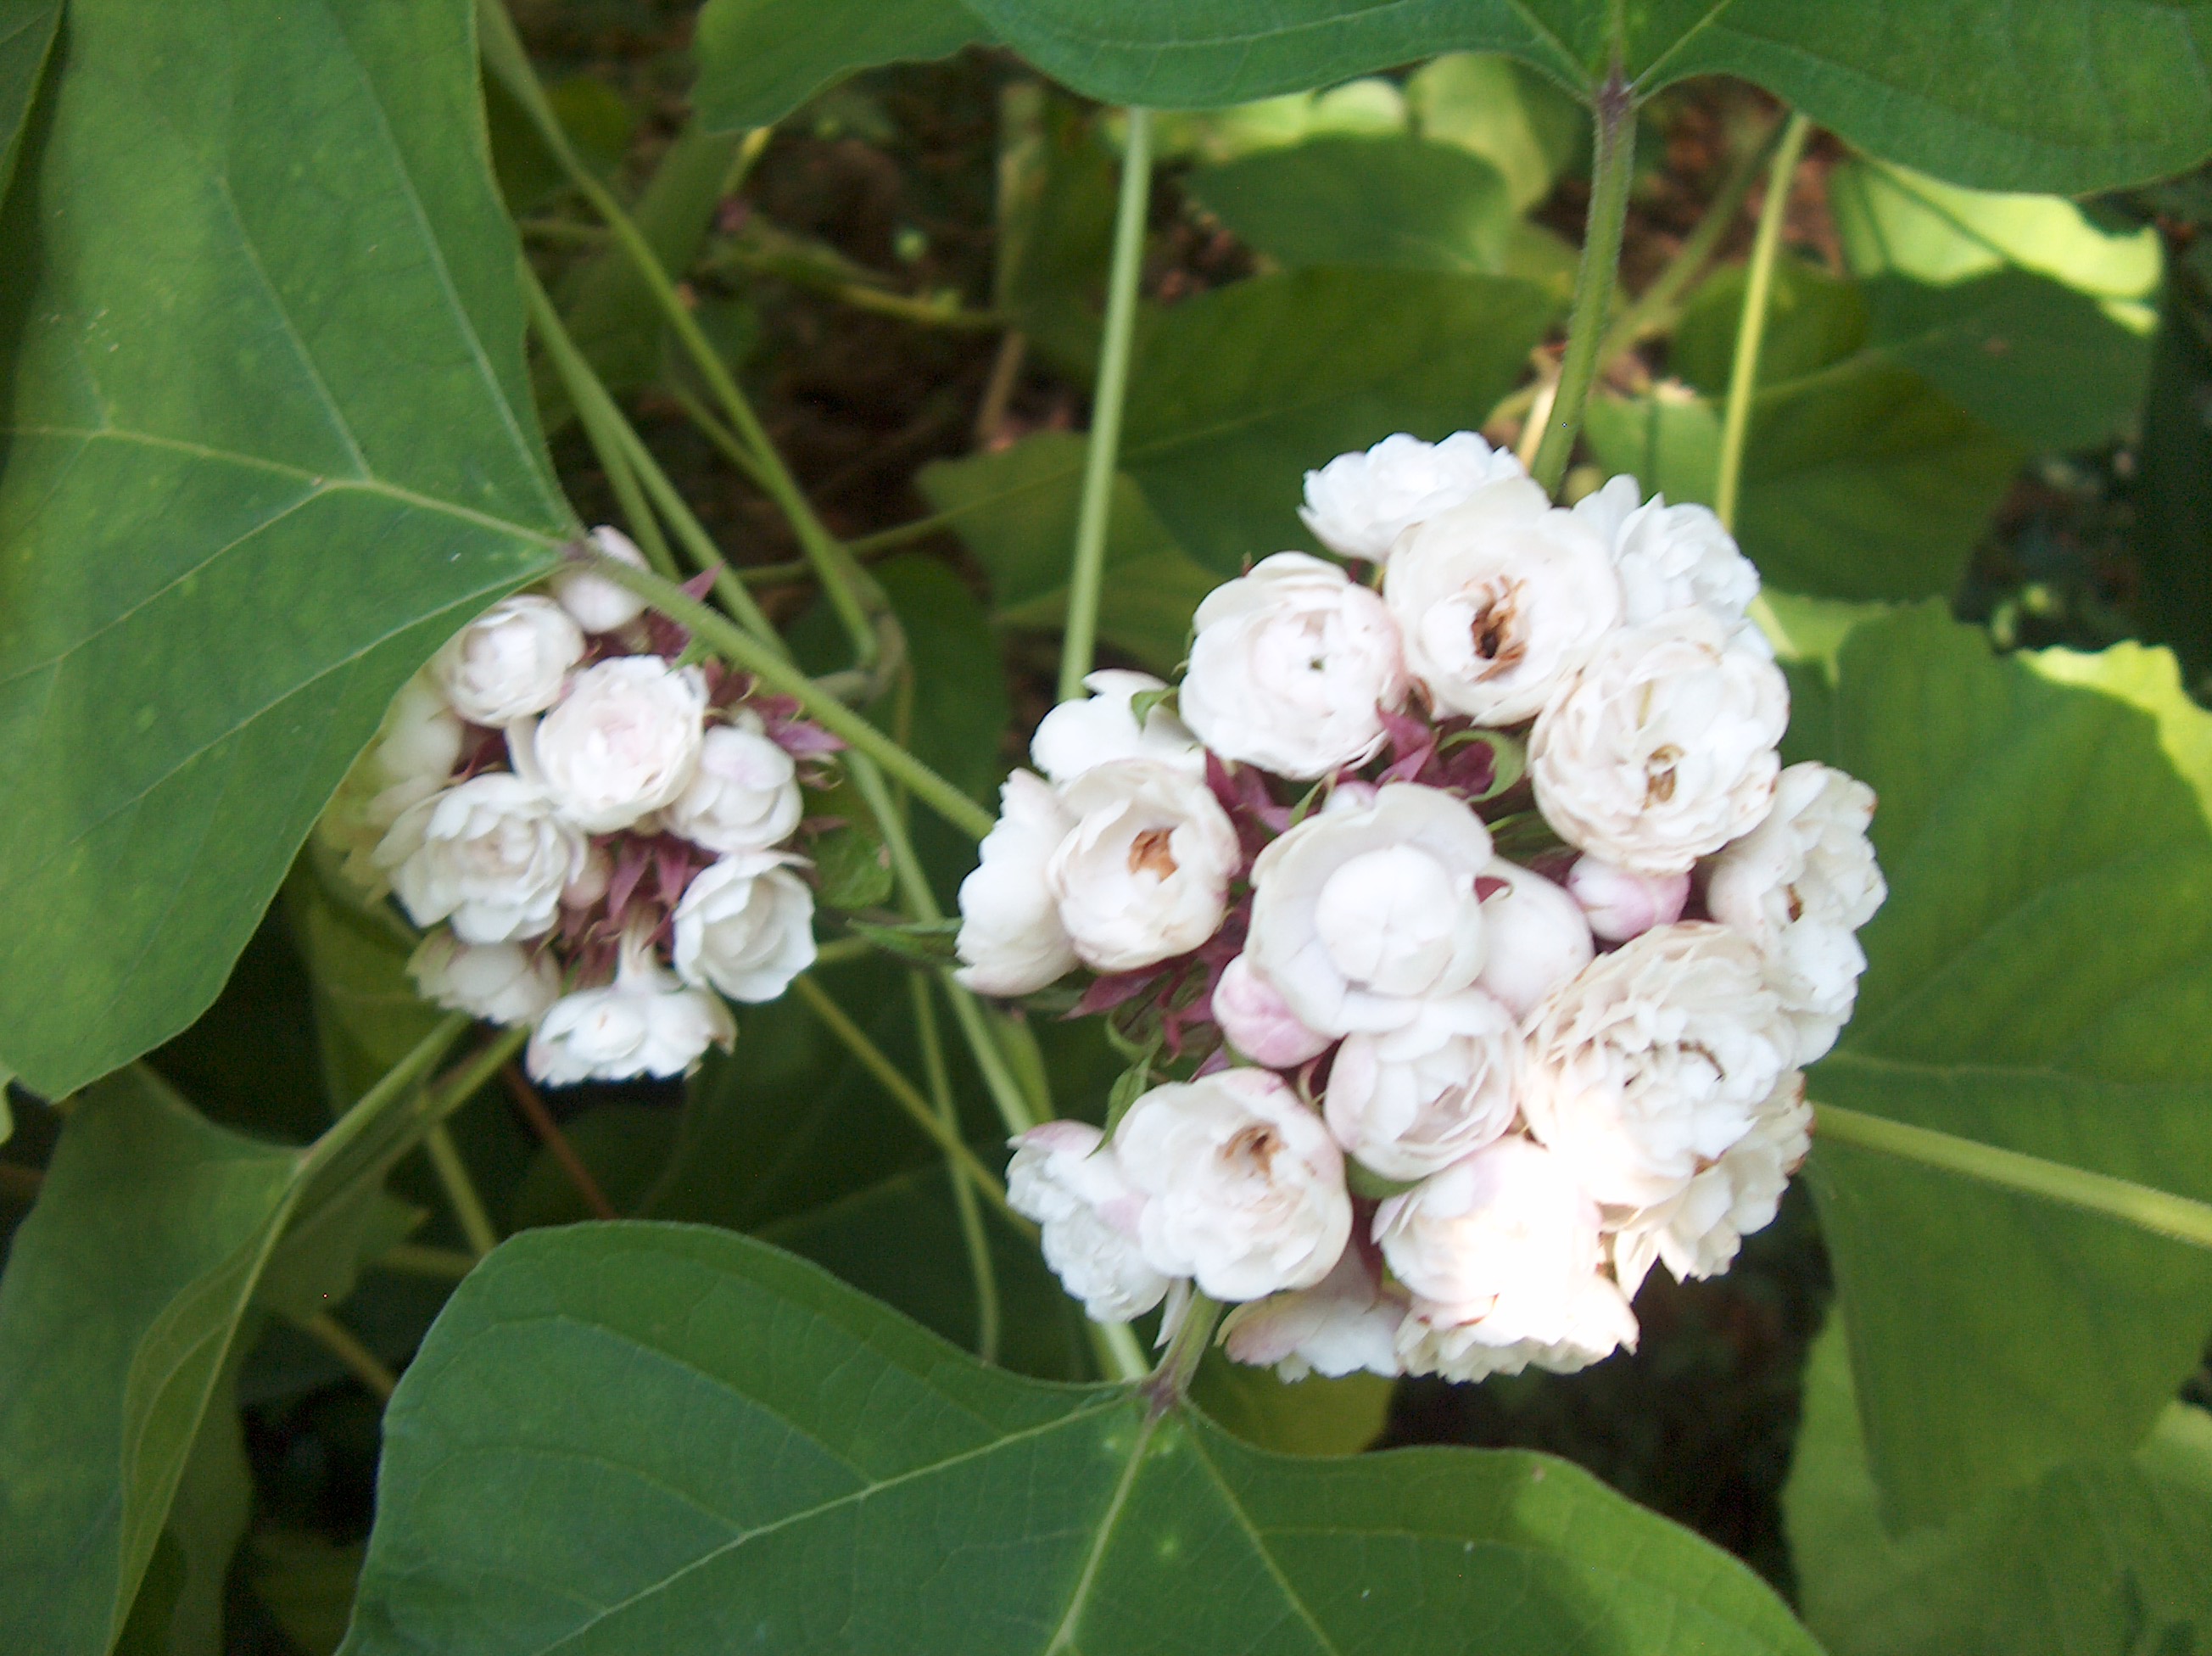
(269, 441)
(760, 59)
(2076, 95)
(1394, 204)
(1240, 391)
(124, 1291)
(27, 32)
(2041, 979)
(2098, 1554)
(1015, 509)
(650, 1437)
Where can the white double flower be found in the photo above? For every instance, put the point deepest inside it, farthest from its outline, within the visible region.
(644, 1023)
(1360, 503)
(510, 661)
(745, 926)
(622, 743)
(490, 855)
(1070, 1182)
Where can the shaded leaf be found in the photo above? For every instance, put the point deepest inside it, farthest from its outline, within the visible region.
(306, 1583)
(1514, 119)
(2097, 1555)
(1391, 204)
(179, 1608)
(2173, 542)
(1311, 1416)
(783, 1457)
(2041, 979)
(27, 33)
(760, 59)
(265, 398)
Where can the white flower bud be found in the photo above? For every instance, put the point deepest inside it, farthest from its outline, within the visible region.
(1291, 668)
(1621, 904)
(645, 1023)
(1799, 885)
(746, 925)
(501, 982)
(415, 748)
(1663, 749)
(1656, 1060)
(1076, 735)
(1066, 1179)
(1410, 1102)
(1358, 916)
(510, 661)
(1258, 1022)
(597, 603)
(421, 737)
(744, 795)
(1346, 1323)
(1245, 1187)
(488, 854)
(1499, 601)
(1145, 875)
(1358, 504)
(1669, 558)
(1537, 938)
(1011, 937)
(623, 741)
(1698, 1231)
(1503, 1257)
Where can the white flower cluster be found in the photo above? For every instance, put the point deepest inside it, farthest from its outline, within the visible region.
(597, 839)
(1430, 1108)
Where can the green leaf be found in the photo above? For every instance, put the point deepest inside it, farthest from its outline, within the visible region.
(1813, 320)
(1016, 511)
(1859, 482)
(760, 59)
(179, 1609)
(2173, 542)
(1391, 204)
(123, 1295)
(2083, 94)
(853, 866)
(306, 1583)
(1370, 108)
(787, 1463)
(1494, 107)
(627, 1147)
(26, 35)
(2039, 980)
(2098, 1554)
(1239, 392)
(269, 443)
(1311, 1416)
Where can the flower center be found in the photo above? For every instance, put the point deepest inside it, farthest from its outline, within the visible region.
(1494, 628)
(1152, 853)
(1659, 774)
(1253, 1145)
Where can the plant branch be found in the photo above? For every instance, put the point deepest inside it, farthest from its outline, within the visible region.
(1612, 171)
(1102, 451)
(1751, 327)
(2158, 1211)
(964, 1193)
(343, 1344)
(774, 670)
(556, 1142)
(460, 1190)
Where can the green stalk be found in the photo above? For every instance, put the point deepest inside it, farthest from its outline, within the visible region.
(1119, 1356)
(774, 669)
(850, 591)
(342, 1343)
(460, 1190)
(964, 1193)
(1612, 170)
(1171, 1379)
(1103, 451)
(2158, 1211)
(1751, 327)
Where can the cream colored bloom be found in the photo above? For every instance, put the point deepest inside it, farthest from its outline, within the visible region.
(1011, 938)
(1360, 503)
(488, 854)
(1066, 1179)
(500, 982)
(1669, 558)
(1696, 1232)
(745, 926)
(744, 795)
(510, 661)
(1143, 874)
(1347, 1322)
(644, 1023)
(1076, 735)
(1410, 1102)
(598, 604)
(624, 741)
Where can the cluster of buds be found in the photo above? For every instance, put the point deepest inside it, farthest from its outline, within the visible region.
(1467, 931)
(595, 834)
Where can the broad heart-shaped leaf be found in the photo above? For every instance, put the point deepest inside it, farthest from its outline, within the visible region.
(2078, 96)
(124, 1290)
(2040, 979)
(26, 31)
(760, 59)
(629, 1438)
(269, 441)
(2112, 1554)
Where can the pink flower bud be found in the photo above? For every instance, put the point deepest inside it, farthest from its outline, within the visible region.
(1257, 1022)
(1621, 904)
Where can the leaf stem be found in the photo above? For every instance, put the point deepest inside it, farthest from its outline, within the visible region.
(460, 1190)
(1751, 327)
(1171, 1380)
(342, 1343)
(774, 670)
(1612, 171)
(556, 1143)
(964, 1193)
(2141, 1205)
(1102, 451)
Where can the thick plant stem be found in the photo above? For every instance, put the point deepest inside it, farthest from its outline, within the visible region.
(964, 1193)
(773, 668)
(2158, 1211)
(852, 594)
(460, 1190)
(1613, 168)
(1751, 327)
(1171, 1380)
(1102, 452)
